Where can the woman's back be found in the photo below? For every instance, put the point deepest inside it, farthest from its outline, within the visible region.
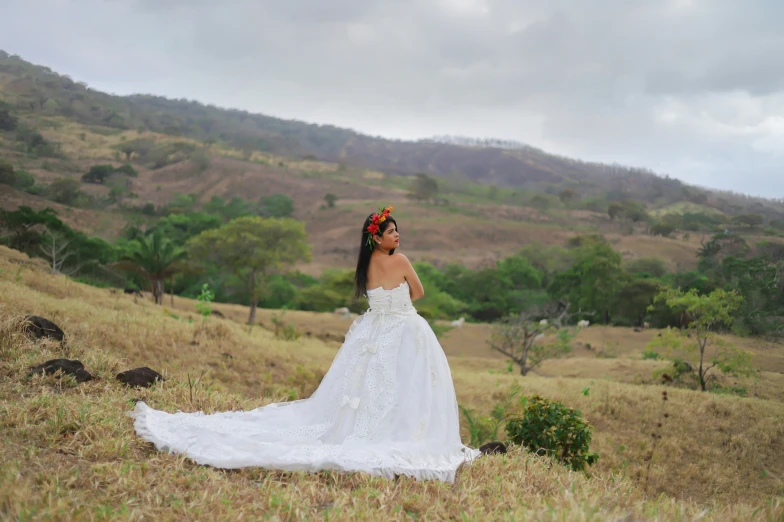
(385, 271)
(390, 271)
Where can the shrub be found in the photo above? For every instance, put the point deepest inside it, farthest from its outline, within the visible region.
(98, 174)
(663, 229)
(24, 180)
(128, 170)
(652, 266)
(7, 174)
(7, 120)
(551, 428)
(284, 331)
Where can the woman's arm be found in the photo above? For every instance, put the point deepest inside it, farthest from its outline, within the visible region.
(416, 290)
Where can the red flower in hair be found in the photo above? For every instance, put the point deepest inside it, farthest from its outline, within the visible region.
(376, 220)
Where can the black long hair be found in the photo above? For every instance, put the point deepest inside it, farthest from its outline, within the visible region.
(363, 260)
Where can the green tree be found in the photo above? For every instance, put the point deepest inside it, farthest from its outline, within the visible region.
(98, 174)
(7, 120)
(181, 203)
(541, 202)
(200, 159)
(7, 174)
(646, 267)
(140, 146)
(179, 228)
(424, 187)
(634, 211)
(631, 303)
(252, 248)
(64, 190)
(705, 314)
(128, 170)
(24, 180)
(749, 220)
(330, 199)
(758, 280)
(663, 229)
(156, 259)
(593, 280)
(276, 206)
(614, 210)
(22, 222)
(214, 205)
(520, 272)
(532, 337)
(567, 195)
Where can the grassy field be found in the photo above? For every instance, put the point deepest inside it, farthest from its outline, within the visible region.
(70, 452)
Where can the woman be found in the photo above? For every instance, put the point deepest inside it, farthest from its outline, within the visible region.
(386, 406)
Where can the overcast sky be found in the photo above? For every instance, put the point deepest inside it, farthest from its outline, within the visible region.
(690, 88)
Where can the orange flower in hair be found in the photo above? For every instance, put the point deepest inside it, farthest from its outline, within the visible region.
(375, 222)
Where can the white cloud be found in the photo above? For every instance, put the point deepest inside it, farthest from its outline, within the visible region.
(692, 88)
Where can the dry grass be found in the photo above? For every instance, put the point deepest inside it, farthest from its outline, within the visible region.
(483, 233)
(69, 452)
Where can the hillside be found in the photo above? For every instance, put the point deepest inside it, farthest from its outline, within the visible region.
(476, 227)
(69, 451)
(492, 198)
(479, 225)
(38, 90)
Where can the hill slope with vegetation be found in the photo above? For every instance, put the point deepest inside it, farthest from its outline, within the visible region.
(603, 288)
(69, 450)
(87, 178)
(37, 89)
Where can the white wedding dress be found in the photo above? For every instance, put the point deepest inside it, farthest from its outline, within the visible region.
(386, 407)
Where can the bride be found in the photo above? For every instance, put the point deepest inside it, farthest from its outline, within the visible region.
(386, 406)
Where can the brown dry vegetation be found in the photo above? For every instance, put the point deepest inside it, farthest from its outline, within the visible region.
(474, 234)
(69, 452)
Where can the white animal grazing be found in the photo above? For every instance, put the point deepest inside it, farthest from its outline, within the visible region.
(458, 323)
(543, 322)
(343, 312)
(583, 323)
(646, 325)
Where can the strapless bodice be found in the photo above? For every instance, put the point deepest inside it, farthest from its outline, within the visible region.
(396, 300)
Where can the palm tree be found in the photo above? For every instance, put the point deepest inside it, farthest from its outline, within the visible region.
(156, 259)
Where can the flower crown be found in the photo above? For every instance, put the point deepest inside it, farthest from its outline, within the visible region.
(375, 222)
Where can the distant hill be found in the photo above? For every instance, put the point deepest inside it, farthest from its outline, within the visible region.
(36, 89)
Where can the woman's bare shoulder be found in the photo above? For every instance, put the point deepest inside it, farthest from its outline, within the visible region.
(400, 258)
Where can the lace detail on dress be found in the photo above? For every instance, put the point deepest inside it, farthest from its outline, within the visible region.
(386, 406)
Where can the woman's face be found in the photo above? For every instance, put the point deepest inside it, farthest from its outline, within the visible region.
(389, 239)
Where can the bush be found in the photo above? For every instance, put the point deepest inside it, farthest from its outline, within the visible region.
(36, 190)
(7, 174)
(276, 206)
(663, 229)
(24, 180)
(7, 120)
(31, 142)
(320, 299)
(98, 174)
(652, 266)
(128, 170)
(551, 428)
(650, 355)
